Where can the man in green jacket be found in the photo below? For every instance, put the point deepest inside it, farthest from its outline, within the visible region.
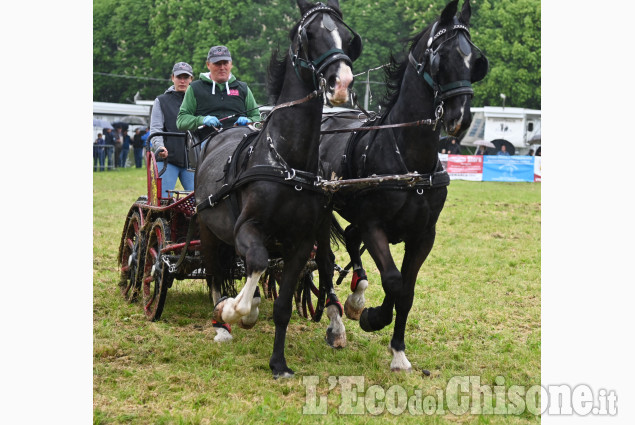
(217, 95)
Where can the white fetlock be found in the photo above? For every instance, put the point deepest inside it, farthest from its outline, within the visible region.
(235, 308)
(248, 321)
(399, 361)
(335, 332)
(246, 295)
(355, 302)
(222, 335)
(230, 315)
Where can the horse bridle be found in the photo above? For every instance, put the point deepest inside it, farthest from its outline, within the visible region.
(431, 58)
(300, 58)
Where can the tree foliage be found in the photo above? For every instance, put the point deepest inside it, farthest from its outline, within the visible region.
(136, 42)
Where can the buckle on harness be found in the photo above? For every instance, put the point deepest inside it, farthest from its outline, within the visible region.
(289, 175)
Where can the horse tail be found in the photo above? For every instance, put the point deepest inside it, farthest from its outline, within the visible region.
(232, 268)
(337, 232)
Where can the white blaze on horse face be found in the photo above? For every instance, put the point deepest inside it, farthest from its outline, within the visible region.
(343, 77)
(343, 80)
(466, 59)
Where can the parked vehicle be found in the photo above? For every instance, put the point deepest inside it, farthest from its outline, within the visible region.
(519, 127)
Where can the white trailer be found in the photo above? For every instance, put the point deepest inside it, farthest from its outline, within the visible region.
(518, 126)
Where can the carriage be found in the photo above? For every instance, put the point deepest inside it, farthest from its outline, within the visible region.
(255, 192)
(160, 243)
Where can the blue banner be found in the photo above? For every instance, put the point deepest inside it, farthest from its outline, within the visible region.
(502, 168)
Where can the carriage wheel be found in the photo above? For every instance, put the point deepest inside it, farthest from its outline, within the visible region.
(132, 259)
(156, 277)
(306, 294)
(269, 283)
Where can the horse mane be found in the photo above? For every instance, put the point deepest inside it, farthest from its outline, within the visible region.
(277, 69)
(396, 69)
(275, 75)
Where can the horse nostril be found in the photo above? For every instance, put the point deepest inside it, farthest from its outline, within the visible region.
(332, 81)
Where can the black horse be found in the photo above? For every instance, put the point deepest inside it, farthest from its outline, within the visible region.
(256, 194)
(432, 83)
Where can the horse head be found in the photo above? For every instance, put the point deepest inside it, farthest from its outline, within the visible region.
(325, 61)
(449, 63)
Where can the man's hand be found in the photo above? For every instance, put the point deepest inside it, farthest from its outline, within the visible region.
(211, 121)
(242, 121)
(163, 153)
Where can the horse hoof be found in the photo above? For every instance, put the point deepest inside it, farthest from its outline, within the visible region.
(400, 362)
(350, 311)
(223, 335)
(246, 325)
(335, 340)
(396, 369)
(285, 374)
(363, 321)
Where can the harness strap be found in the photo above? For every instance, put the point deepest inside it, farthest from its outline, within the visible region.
(380, 127)
(409, 181)
(299, 179)
(308, 97)
(445, 90)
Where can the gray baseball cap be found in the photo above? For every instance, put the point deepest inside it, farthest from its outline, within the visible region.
(218, 53)
(182, 68)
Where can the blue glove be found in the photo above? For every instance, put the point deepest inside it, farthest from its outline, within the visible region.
(242, 121)
(211, 121)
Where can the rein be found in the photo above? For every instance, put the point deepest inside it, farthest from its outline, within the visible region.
(314, 94)
(432, 122)
(438, 115)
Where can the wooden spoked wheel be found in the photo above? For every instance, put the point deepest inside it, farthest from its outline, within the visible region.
(156, 276)
(132, 259)
(306, 294)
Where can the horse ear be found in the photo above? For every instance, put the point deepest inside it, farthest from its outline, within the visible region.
(466, 12)
(335, 4)
(304, 5)
(448, 13)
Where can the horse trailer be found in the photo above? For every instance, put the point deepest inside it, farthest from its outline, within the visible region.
(518, 126)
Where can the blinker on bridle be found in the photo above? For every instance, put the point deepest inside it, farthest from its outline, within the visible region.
(432, 58)
(318, 65)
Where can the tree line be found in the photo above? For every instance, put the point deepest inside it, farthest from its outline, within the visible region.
(136, 42)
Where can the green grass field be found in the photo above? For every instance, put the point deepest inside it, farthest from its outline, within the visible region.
(476, 313)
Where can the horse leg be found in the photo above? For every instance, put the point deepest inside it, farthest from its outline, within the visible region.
(210, 254)
(415, 255)
(294, 262)
(248, 241)
(248, 321)
(376, 318)
(355, 302)
(336, 331)
(325, 260)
